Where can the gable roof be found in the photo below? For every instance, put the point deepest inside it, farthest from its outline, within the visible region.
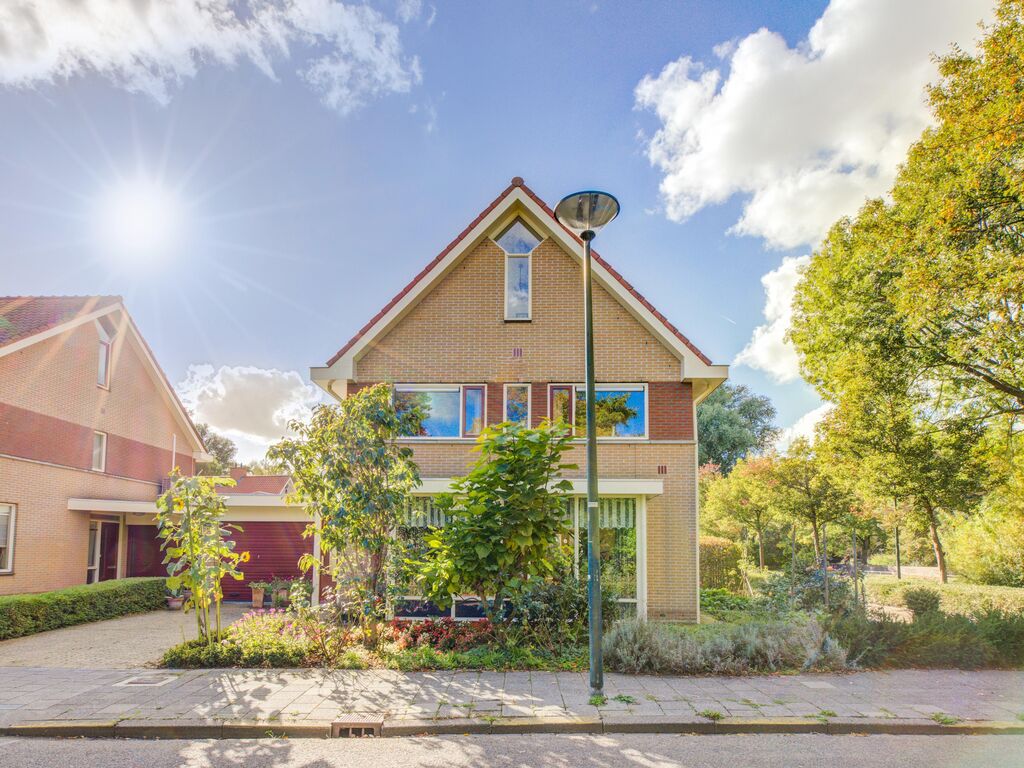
(518, 193)
(24, 316)
(27, 320)
(262, 485)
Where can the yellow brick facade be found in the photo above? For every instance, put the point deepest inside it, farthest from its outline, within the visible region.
(456, 333)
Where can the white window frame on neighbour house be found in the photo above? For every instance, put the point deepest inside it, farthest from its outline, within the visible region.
(100, 466)
(461, 389)
(106, 345)
(578, 389)
(7, 563)
(529, 401)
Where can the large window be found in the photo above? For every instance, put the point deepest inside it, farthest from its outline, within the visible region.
(442, 410)
(517, 403)
(518, 241)
(99, 451)
(620, 544)
(6, 538)
(621, 409)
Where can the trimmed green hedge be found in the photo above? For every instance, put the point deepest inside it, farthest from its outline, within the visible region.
(27, 614)
(956, 597)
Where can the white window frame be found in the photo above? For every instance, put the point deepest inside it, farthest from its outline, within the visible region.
(529, 401)
(529, 287)
(106, 343)
(461, 436)
(635, 387)
(12, 510)
(103, 454)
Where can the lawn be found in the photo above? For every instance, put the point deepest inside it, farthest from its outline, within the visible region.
(955, 597)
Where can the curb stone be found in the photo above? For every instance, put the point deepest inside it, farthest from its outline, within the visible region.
(206, 729)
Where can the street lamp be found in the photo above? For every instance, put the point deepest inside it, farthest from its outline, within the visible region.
(585, 213)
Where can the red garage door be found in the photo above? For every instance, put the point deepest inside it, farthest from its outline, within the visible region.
(274, 551)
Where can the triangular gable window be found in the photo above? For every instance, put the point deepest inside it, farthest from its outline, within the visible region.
(518, 239)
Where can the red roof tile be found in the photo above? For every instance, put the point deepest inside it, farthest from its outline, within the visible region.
(25, 316)
(516, 182)
(273, 485)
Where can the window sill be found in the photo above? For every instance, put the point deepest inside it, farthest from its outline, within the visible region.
(519, 320)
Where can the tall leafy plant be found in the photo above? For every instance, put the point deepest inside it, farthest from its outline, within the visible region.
(197, 550)
(504, 518)
(355, 482)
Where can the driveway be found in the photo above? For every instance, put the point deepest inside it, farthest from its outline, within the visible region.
(125, 643)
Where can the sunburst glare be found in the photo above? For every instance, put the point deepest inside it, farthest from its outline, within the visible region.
(140, 219)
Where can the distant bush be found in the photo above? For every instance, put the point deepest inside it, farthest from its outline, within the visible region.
(27, 614)
(720, 600)
(720, 563)
(806, 591)
(772, 646)
(988, 547)
(955, 597)
(932, 640)
(921, 601)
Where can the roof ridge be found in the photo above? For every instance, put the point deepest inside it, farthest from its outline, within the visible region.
(517, 181)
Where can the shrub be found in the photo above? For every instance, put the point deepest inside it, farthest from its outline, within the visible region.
(720, 563)
(198, 654)
(954, 597)
(553, 614)
(806, 592)
(921, 601)
(771, 646)
(442, 634)
(716, 601)
(271, 638)
(27, 614)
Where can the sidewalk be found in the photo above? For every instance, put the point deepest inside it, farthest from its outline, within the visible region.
(307, 702)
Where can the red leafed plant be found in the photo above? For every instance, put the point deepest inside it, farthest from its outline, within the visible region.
(442, 634)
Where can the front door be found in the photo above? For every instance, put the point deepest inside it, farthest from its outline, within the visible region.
(108, 550)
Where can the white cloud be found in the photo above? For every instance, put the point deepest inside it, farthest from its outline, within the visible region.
(768, 349)
(252, 406)
(346, 52)
(409, 10)
(804, 134)
(803, 427)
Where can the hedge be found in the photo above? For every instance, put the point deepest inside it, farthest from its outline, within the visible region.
(955, 597)
(27, 614)
(720, 563)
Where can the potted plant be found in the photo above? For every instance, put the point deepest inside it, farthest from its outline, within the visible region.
(258, 588)
(279, 589)
(174, 602)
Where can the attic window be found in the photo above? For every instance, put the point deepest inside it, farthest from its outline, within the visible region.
(518, 241)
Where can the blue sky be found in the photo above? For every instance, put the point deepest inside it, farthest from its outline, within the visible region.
(294, 195)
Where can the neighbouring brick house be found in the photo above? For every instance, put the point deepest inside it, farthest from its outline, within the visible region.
(492, 330)
(88, 425)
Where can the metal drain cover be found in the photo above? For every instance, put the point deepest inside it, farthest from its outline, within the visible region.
(356, 727)
(146, 681)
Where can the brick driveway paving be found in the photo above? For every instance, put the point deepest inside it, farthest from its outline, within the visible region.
(124, 643)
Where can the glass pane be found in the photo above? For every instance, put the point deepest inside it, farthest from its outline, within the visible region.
(473, 417)
(5, 522)
(518, 238)
(101, 368)
(517, 404)
(620, 413)
(561, 404)
(99, 444)
(433, 413)
(92, 546)
(617, 544)
(517, 288)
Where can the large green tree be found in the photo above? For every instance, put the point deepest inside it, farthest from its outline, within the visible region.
(732, 423)
(933, 278)
(221, 448)
(745, 497)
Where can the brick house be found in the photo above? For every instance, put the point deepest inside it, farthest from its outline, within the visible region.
(492, 330)
(88, 423)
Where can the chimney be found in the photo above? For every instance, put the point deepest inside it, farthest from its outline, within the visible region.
(237, 473)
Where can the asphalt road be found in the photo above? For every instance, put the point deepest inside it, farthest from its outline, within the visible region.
(641, 751)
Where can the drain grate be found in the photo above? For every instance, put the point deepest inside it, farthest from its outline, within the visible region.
(356, 727)
(146, 681)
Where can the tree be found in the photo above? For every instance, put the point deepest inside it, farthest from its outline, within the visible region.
(745, 496)
(504, 518)
(733, 423)
(934, 279)
(197, 552)
(221, 448)
(355, 482)
(266, 466)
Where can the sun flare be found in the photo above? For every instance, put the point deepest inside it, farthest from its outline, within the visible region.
(140, 219)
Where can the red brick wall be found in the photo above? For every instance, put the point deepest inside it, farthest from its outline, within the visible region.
(36, 436)
(670, 410)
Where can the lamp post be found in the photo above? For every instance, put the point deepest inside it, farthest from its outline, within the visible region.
(585, 213)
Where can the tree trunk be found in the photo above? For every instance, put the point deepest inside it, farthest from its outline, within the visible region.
(940, 556)
(899, 562)
(760, 549)
(817, 539)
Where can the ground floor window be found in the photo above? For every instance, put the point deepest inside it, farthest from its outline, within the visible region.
(6, 538)
(621, 543)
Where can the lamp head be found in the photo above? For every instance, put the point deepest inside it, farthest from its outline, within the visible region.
(586, 211)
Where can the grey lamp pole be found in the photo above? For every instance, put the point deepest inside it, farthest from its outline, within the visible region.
(585, 213)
